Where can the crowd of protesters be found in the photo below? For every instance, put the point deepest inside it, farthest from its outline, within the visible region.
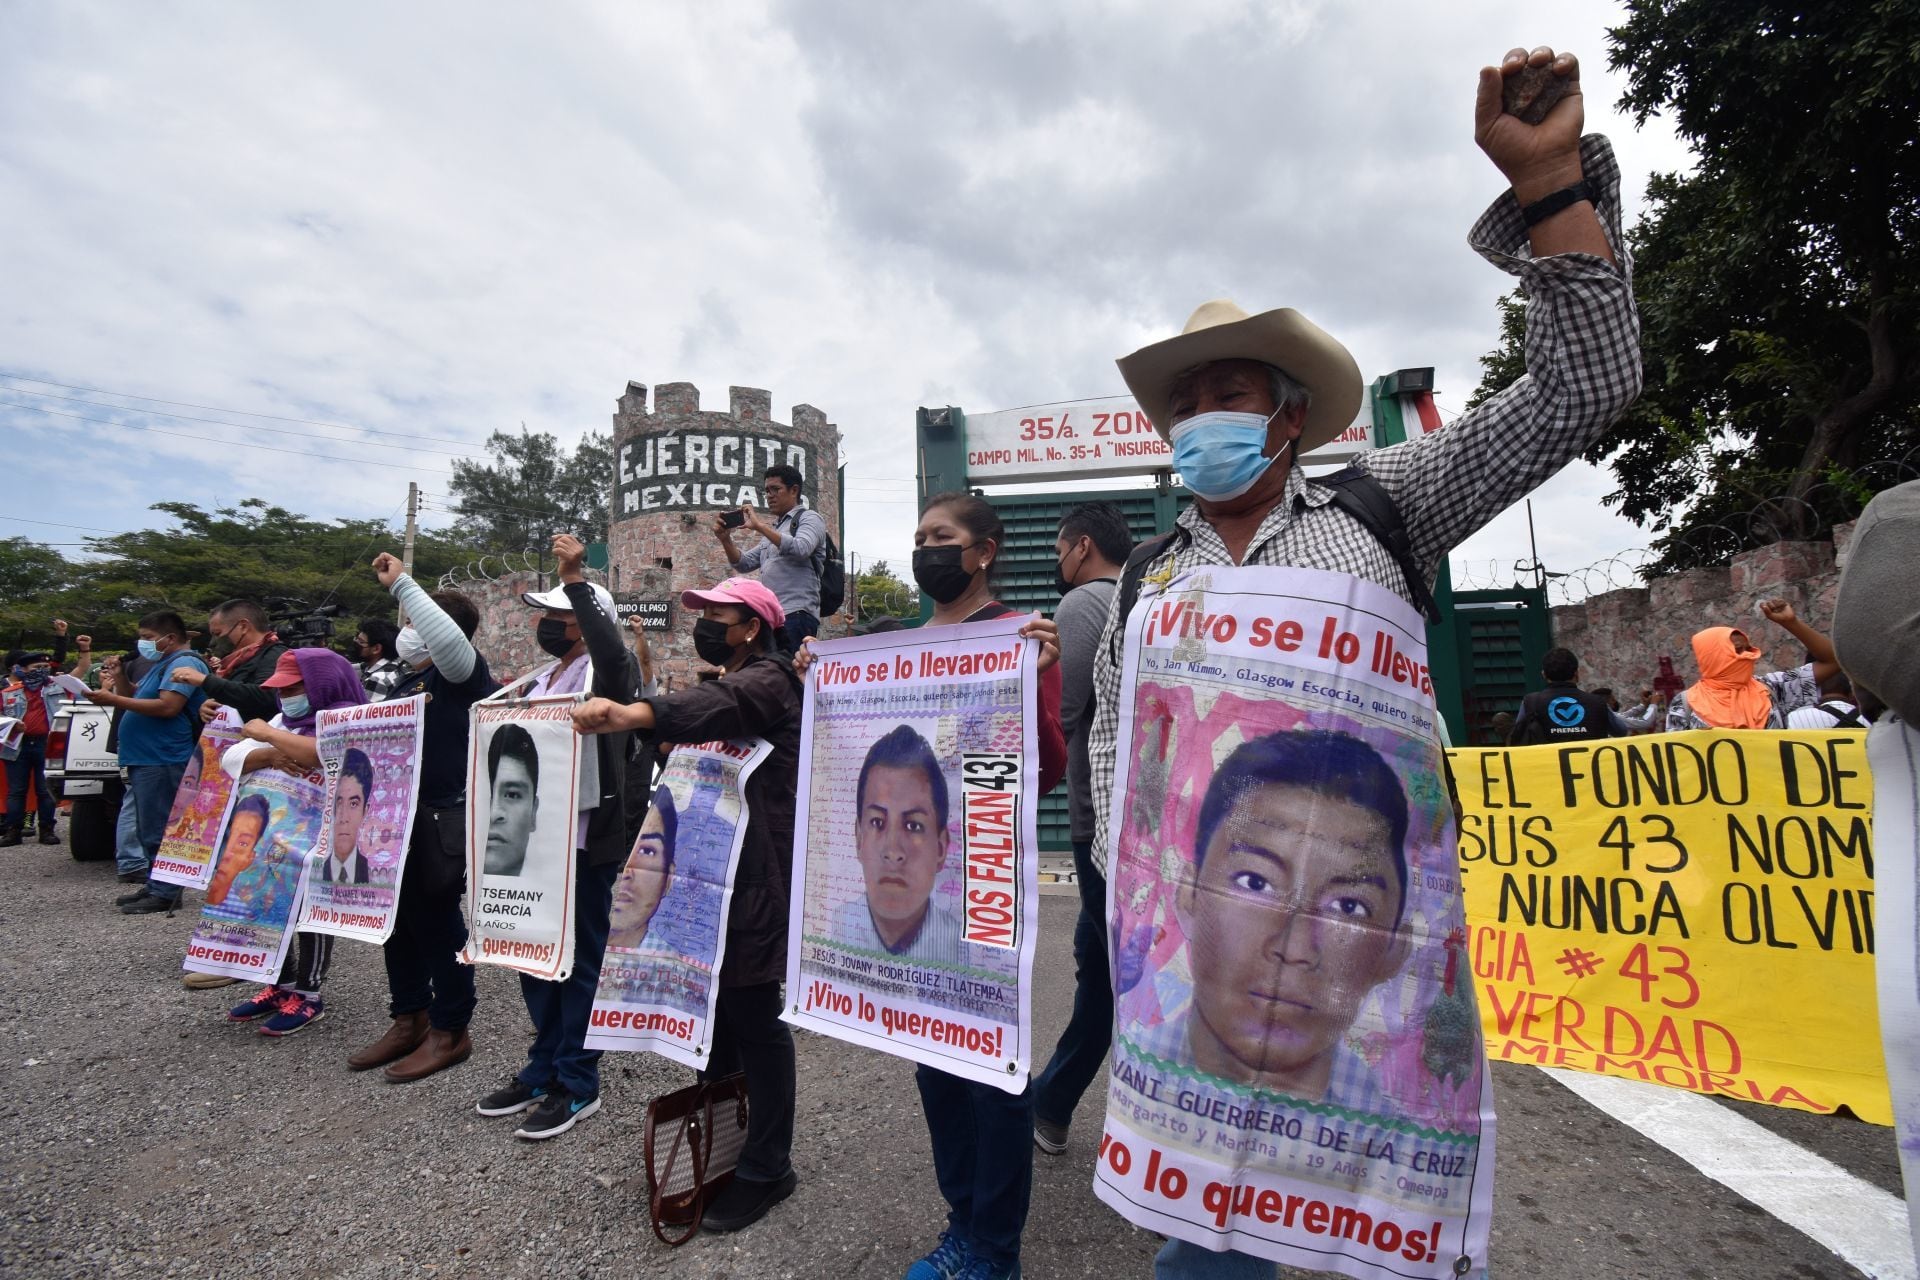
(1238, 396)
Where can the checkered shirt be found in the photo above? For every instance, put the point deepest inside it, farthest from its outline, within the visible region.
(1583, 370)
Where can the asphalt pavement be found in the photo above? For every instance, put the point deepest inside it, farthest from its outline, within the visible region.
(141, 1136)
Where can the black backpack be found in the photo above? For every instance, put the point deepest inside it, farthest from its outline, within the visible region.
(833, 580)
(1354, 492)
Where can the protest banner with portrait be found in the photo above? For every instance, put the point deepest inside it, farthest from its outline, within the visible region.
(1297, 1067)
(523, 826)
(667, 935)
(254, 893)
(200, 808)
(370, 755)
(1689, 909)
(914, 854)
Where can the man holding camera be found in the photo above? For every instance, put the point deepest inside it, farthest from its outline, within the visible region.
(791, 558)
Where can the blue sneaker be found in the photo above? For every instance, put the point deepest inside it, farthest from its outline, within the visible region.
(265, 1001)
(558, 1112)
(981, 1269)
(949, 1260)
(297, 1012)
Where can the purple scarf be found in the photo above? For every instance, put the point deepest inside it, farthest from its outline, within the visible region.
(331, 682)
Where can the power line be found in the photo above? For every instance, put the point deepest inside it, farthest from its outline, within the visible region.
(233, 444)
(242, 426)
(183, 404)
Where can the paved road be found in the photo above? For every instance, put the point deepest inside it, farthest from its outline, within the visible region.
(140, 1136)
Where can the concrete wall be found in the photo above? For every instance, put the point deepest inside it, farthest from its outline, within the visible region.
(1619, 636)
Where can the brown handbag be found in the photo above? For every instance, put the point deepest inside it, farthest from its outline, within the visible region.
(694, 1137)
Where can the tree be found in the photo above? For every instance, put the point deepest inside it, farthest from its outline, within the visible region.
(534, 489)
(30, 574)
(256, 550)
(1776, 282)
(882, 595)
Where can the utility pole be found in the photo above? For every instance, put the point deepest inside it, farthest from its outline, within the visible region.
(413, 527)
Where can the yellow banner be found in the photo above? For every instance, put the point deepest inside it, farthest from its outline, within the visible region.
(1690, 909)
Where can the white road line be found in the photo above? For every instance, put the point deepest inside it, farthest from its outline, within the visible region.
(1865, 1226)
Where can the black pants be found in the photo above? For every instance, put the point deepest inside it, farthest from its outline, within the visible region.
(429, 928)
(800, 625)
(1083, 1045)
(749, 1036)
(307, 962)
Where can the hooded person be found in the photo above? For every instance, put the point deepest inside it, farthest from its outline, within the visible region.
(1729, 696)
(306, 682)
(756, 695)
(431, 995)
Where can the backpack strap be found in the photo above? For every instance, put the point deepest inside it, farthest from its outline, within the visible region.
(1357, 493)
(1847, 719)
(1134, 571)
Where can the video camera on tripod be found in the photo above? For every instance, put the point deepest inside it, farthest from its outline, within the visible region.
(300, 626)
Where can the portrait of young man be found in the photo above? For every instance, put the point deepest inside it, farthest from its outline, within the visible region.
(901, 839)
(513, 778)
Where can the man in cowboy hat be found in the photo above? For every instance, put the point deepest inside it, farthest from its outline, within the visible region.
(1240, 396)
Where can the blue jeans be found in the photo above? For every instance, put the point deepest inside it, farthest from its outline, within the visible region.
(29, 769)
(982, 1159)
(153, 786)
(1083, 1045)
(560, 1010)
(1179, 1260)
(128, 857)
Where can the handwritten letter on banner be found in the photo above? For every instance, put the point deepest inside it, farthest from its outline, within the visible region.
(1690, 909)
(667, 936)
(914, 851)
(1297, 1067)
(272, 823)
(523, 784)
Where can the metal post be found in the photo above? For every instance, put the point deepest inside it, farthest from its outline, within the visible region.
(413, 527)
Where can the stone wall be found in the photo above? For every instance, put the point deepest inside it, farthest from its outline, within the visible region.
(1620, 636)
(661, 541)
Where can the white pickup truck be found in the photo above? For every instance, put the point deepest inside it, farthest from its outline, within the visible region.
(82, 768)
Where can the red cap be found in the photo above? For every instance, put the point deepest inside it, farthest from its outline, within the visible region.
(285, 672)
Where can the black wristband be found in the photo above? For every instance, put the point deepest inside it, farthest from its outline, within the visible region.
(1553, 202)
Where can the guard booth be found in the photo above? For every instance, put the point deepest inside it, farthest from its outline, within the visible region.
(1035, 464)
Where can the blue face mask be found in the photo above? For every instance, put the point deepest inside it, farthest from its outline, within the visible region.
(1221, 455)
(296, 707)
(149, 650)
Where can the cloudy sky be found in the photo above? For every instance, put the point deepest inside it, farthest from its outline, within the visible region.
(428, 221)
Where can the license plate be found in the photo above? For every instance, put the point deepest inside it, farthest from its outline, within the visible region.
(85, 787)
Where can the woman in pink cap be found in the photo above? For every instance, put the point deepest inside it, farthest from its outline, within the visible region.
(756, 696)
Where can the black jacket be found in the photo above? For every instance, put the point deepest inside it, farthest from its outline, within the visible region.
(240, 688)
(760, 700)
(1561, 713)
(616, 676)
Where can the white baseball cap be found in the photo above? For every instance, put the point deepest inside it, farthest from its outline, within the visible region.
(558, 599)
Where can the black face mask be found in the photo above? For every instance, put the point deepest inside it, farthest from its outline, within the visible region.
(937, 571)
(711, 643)
(1061, 583)
(551, 634)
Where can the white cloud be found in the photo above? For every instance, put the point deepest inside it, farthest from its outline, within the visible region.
(450, 218)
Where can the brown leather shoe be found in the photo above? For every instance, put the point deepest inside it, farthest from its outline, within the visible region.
(441, 1050)
(401, 1039)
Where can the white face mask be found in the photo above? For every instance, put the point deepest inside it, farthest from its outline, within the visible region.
(409, 648)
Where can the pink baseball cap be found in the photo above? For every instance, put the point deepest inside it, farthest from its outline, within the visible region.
(748, 592)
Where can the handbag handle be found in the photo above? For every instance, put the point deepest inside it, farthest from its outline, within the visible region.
(698, 1155)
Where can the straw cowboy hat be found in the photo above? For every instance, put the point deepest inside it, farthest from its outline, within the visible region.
(1221, 330)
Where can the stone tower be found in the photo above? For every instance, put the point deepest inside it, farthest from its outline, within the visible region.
(675, 468)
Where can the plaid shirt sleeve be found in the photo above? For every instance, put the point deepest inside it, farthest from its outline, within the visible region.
(1583, 370)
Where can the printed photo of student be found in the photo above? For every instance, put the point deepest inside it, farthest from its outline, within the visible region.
(345, 863)
(901, 838)
(645, 879)
(513, 780)
(1292, 912)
